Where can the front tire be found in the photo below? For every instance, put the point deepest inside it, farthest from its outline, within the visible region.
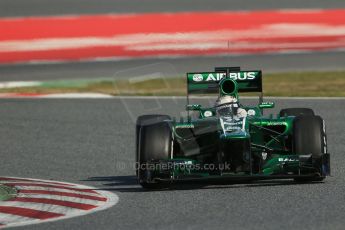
(144, 120)
(154, 144)
(309, 137)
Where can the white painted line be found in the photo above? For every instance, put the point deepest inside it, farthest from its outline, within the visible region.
(18, 84)
(56, 190)
(77, 95)
(64, 198)
(55, 96)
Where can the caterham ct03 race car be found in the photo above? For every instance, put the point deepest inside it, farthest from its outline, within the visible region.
(229, 141)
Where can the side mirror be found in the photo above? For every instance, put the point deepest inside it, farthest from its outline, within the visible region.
(266, 105)
(194, 107)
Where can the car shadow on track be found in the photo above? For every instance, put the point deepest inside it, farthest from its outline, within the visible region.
(130, 184)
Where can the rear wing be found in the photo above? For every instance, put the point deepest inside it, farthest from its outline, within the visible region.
(208, 82)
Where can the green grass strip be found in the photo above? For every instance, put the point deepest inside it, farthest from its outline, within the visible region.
(7, 192)
(297, 84)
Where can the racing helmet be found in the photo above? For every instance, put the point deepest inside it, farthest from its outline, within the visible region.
(226, 106)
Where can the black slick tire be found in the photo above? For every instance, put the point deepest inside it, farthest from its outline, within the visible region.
(309, 137)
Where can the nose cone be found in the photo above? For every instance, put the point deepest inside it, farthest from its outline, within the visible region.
(235, 135)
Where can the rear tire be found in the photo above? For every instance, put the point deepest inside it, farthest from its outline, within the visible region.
(309, 137)
(154, 144)
(296, 112)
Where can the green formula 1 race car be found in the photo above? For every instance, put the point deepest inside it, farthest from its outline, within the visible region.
(228, 141)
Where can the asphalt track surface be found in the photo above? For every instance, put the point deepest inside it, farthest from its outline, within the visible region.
(321, 61)
(91, 142)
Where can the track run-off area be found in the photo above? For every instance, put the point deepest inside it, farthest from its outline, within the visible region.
(179, 34)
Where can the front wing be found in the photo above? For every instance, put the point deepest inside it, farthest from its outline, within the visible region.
(283, 167)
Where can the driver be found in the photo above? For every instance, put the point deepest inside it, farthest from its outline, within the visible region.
(229, 106)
